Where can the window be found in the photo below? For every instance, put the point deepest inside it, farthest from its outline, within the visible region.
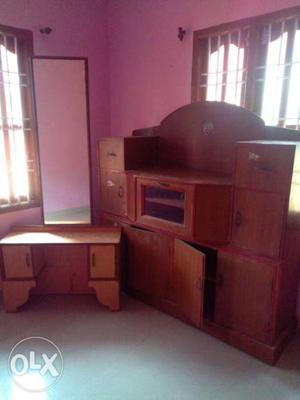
(19, 184)
(254, 63)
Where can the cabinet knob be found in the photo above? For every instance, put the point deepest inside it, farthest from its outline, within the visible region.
(111, 154)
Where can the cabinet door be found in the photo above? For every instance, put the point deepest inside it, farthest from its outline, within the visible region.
(17, 262)
(258, 221)
(147, 263)
(102, 261)
(114, 192)
(244, 295)
(189, 270)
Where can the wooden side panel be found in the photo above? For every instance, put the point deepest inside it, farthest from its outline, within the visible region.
(18, 262)
(258, 221)
(213, 213)
(113, 186)
(244, 295)
(103, 261)
(189, 272)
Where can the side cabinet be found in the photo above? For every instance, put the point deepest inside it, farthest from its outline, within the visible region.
(244, 295)
(189, 273)
(22, 261)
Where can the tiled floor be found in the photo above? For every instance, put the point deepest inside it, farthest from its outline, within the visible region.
(140, 354)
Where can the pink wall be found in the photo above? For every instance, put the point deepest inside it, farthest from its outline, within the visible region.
(79, 29)
(150, 68)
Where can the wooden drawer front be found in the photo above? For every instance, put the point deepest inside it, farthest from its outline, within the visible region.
(103, 261)
(114, 192)
(17, 262)
(264, 167)
(244, 295)
(171, 210)
(111, 153)
(258, 221)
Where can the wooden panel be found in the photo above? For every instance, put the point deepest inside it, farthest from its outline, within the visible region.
(186, 139)
(213, 213)
(111, 153)
(258, 221)
(244, 295)
(66, 271)
(113, 186)
(185, 228)
(189, 270)
(264, 166)
(17, 262)
(103, 262)
(148, 262)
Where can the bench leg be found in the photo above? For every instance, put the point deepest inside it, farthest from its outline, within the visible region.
(16, 293)
(107, 293)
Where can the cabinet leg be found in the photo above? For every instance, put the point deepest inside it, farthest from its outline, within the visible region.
(16, 293)
(107, 293)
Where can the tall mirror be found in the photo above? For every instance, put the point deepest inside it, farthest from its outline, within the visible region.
(60, 88)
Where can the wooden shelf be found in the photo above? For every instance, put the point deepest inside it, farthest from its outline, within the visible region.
(166, 202)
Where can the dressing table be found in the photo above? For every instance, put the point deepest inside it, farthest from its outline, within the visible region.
(27, 251)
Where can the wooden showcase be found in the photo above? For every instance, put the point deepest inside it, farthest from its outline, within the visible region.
(209, 202)
(27, 255)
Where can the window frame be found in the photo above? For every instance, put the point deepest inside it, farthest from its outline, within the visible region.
(27, 100)
(255, 24)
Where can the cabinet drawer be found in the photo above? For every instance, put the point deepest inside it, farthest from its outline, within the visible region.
(103, 261)
(17, 262)
(166, 205)
(114, 192)
(111, 153)
(264, 166)
(258, 221)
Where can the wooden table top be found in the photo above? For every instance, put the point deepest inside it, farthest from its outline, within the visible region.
(107, 236)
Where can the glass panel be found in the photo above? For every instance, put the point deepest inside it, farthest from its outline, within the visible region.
(164, 204)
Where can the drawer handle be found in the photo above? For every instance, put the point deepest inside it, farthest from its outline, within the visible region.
(28, 260)
(121, 192)
(238, 218)
(164, 184)
(93, 260)
(111, 154)
(263, 168)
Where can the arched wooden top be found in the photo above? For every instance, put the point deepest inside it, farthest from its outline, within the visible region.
(203, 135)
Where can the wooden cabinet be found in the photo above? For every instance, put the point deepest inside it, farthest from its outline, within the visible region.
(165, 204)
(103, 262)
(22, 261)
(189, 273)
(124, 153)
(258, 221)
(244, 295)
(113, 186)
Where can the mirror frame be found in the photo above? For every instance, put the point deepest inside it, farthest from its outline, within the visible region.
(85, 60)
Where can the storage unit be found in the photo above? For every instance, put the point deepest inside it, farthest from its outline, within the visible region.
(217, 247)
